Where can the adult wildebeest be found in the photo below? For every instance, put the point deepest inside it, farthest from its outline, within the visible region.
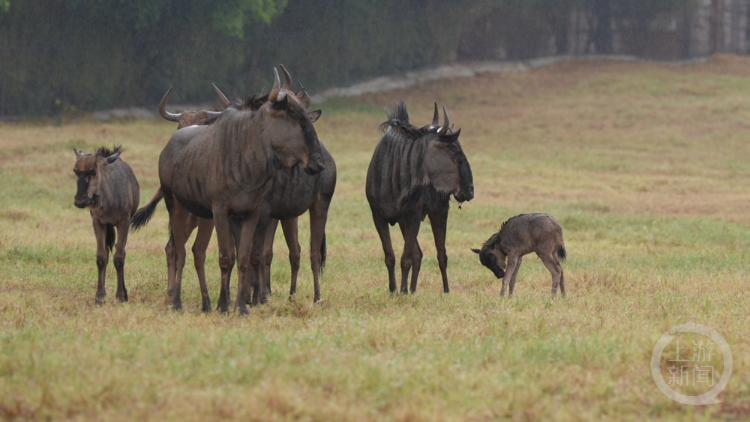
(205, 225)
(413, 173)
(225, 170)
(108, 187)
(521, 235)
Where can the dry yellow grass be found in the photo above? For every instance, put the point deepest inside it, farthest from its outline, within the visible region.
(645, 166)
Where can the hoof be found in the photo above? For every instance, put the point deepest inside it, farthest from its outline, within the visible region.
(99, 301)
(244, 311)
(177, 306)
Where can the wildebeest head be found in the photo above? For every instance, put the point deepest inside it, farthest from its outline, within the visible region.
(289, 127)
(492, 258)
(190, 118)
(88, 174)
(447, 166)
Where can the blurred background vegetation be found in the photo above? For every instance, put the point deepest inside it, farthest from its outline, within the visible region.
(59, 56)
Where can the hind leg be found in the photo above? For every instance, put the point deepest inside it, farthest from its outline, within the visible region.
(513, 277)
(122, 240)
(177, 220)
(390, 257)
(268, 253)
(553, 265)
(416, 262)
(318, 220)
(410, 229)
(291, 235)
(205, 230)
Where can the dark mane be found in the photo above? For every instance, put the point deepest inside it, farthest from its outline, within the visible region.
(104, 152)
(506, 221)
(495, 237)
(398, 119)
(252, 102)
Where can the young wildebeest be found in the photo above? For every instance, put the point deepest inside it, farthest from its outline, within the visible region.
(225, 170)
(521, 235)
(108, 187)
(413, 173)
(205, 225)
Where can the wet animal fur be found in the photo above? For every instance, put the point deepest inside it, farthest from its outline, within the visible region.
(521, 235)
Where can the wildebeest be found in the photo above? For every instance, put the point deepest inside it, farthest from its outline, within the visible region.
(205, 225)
(225, 170)
(521, 235)
(412, 174)
(108, 187)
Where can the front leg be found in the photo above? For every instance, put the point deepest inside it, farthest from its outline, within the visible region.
(122, 240)
(439, 223)
(513, 277)
(102, 258)
(226, 245)
(513, 261)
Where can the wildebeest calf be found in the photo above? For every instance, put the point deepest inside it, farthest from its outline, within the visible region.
(521, 235)
(108, 187)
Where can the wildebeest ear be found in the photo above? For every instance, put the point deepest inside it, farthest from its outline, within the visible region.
(450, 137)
(303, 98)
(78, 152)
(112, 158)
(476, 251)
(314, 115)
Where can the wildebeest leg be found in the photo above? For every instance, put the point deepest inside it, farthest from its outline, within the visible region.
(318, 220)
(245, 279)
(205, 230)
(260, 296)
(416, 265)
(178, 220)
(102, 258)
(268, 253)
(226, 255)
(390, 258)
(291, 235)
(439, 223)
(513, 277)
(513, 261)
(554, 268)
(409, 229)
(190, 224)
(122, 240)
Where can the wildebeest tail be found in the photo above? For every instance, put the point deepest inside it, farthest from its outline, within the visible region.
(561, 252)
(143, 215)
(110, 237)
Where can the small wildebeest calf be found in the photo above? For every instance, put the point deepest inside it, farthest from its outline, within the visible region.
(108, 187)
(521, 235)
(413, 173)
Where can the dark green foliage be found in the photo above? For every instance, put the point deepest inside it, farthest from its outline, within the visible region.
(60, 56)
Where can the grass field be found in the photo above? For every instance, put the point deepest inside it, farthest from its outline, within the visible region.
(645, 166)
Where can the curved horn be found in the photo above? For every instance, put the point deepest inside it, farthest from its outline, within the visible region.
(446, 123)
(212, 115)
(476, 251)
(435, 119)
(287, 78)
(224, 99)
(162, 110)
(273, 97)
